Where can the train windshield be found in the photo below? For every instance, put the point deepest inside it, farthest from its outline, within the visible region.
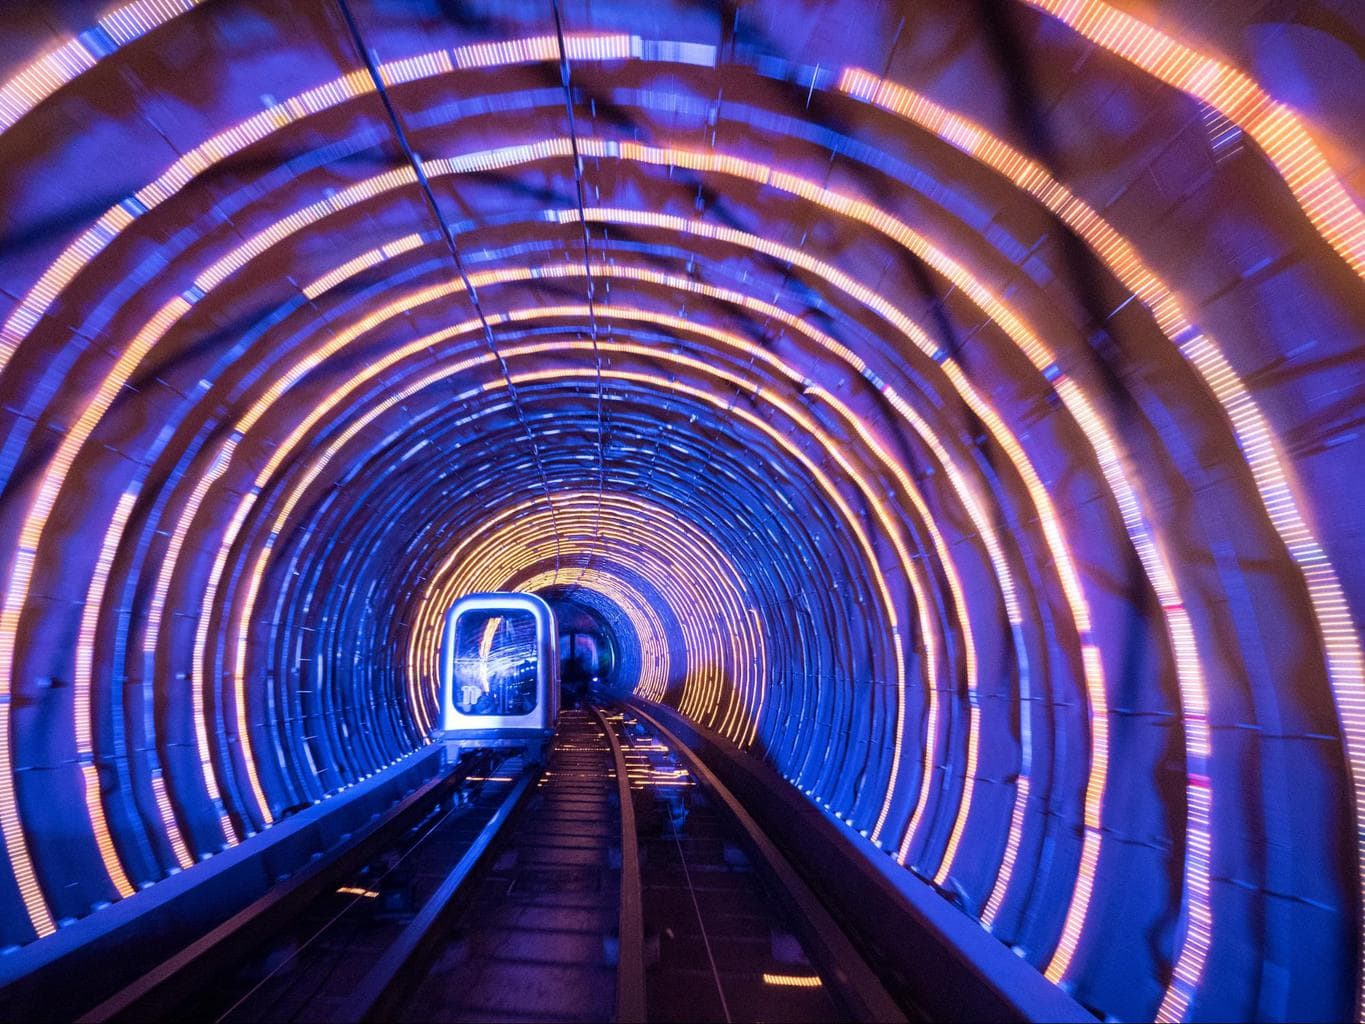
(495, 663)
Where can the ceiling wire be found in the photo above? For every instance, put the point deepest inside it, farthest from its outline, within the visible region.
(358, 41)
(590, 284)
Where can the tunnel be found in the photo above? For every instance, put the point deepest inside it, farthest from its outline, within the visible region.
(953, 409)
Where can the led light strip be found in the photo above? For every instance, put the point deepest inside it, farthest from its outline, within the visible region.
(199, 645)
(1254, 438)
(662, 585)
(40, 297)
(81, 681)
(654, 662)
(1238, 97)
(657, 555)
(643, 619)
(647, 564)
(67, 62)
(982, 522)
(282, 451)
(434, 66)
(1276, 128)
(201, 663)
(317, 466)
(871, 495)
(152, 633)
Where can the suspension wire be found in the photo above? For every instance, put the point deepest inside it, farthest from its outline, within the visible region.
(453, 248)
(590, 284)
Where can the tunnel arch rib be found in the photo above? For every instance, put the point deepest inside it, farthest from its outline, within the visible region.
(966, 438)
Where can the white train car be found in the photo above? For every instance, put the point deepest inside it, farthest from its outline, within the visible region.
(499, 673)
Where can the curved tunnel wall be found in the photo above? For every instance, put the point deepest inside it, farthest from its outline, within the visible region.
(960, 412)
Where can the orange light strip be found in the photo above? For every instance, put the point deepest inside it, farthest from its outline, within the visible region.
(201, 665)
(255, 412)
(680, 563)
(792, 980)
(1257, 444)
(174, 179)
(1275, 126)
(283, 450)
(163, 803)
(41, 296)
(81, 684)
(507, 554)
(65, 63)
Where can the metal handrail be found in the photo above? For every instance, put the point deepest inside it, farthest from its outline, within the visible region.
(369, 996)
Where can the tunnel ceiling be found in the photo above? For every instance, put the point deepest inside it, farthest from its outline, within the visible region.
(957, 404)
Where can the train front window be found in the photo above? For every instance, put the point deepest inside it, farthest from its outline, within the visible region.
(495, 663)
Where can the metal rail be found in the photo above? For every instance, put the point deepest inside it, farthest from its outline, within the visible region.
(630, 959)
(161, 988)
(858, 987)
(370, 996)
(390, 981)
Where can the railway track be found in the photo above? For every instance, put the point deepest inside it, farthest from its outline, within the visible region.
(620, 882)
